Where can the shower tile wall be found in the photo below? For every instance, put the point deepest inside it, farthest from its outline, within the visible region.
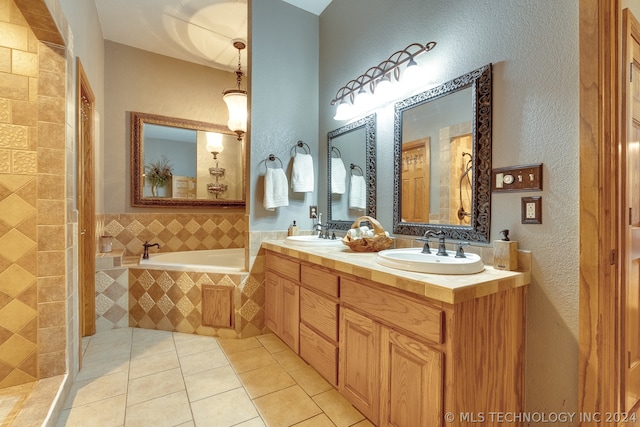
(32, 197)
(174, 232)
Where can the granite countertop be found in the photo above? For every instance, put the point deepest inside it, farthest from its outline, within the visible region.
(450, 289)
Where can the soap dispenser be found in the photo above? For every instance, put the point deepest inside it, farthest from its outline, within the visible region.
(293, 230)
(505, 253)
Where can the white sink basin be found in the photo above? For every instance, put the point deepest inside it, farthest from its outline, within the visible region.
(412, 259)
(314, 241)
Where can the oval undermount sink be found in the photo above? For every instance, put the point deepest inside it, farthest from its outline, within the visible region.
(312, 240)
(412, 259)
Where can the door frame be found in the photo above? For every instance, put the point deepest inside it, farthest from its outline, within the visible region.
(85, 185)
(600, 314)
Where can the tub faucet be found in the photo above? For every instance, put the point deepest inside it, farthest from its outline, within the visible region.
(148, 245)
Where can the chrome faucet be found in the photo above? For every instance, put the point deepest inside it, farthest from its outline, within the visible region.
(442, 249)
(147, 245)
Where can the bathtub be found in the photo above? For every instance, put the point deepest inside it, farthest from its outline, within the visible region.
(225, 261)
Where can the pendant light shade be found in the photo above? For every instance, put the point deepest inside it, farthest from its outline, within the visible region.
(236, 99)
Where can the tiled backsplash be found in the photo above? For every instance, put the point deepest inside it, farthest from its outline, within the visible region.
(174, 232)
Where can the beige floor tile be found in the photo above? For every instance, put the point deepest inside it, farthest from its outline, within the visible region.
(233, 345)
(272, 343)
(310, 380)
(110, 337)
(211, 382)
(93, 367)
(364, 423)
(170, 410)
(286, 407)
(152, 346)
(224, 409)
(155, 385)
(251, 359)
(88, 391)
(254, 422)
(107, 349)
(337, 408)
(142, 334)
(187, 344)
(152, 364)
(200, 362)
(318, 421)
(289, 360)
(104, 413)
(259, 382)
(187, 424)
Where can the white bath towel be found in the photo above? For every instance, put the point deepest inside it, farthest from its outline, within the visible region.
(276, 189)
(338, 176)
(302, 179)
(357, 193)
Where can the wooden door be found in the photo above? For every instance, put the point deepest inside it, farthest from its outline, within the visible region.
(411, 393)
(415, 181)
(272, 301)
(85, 104)
(359, 376)
(290, 317)
(631, 232)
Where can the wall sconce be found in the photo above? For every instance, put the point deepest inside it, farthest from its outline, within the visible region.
(376, 86)
(236, 99)
(215, 147)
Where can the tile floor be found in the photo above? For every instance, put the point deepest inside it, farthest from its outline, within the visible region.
(141, 377)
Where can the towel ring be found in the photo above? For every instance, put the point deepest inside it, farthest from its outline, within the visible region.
(353, 166)
(336, 149)
(271, 158)
(301, 145)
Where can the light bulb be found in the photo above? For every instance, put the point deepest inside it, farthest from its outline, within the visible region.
(362, 101)
(411, 76)
(384, 90)
(214, 142)
(344, 111)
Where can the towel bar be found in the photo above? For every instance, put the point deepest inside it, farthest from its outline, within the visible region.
(271, 158)
(300, 144)
(354, 166)
(336, 149)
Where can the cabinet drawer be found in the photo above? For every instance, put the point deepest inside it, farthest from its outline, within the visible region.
(396, 310)
(283, 266)
(321, 280)
(319, 312)
(319, 353)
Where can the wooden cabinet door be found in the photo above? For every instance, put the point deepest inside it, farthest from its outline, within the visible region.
(290, 314)
(359, 377)
(272, 302)
(411, 393)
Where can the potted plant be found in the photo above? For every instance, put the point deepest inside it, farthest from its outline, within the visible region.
(158, 173)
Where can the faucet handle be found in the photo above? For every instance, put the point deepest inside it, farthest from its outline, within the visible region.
(460, 251)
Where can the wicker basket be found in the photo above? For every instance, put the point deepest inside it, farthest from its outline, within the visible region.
(376, 243)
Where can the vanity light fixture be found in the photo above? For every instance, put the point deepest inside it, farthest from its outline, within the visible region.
(236, 98)
(377, 82)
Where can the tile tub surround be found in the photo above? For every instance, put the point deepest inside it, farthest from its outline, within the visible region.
(172, 301)
(450, 289)
(174, 232)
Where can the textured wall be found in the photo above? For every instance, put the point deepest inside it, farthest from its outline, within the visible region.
(284, 104)
(534, 49)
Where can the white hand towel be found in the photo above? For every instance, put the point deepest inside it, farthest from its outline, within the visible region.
(276, 189)
(357, 193)
(338, 176)
(302, 180)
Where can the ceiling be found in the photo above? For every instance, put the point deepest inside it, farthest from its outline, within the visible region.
(199, 31)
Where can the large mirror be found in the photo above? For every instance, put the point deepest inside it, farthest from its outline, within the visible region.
(181, 163)
(442, 152)
(351, 186)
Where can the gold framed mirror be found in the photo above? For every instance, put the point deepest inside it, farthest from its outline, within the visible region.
(442, 159)
(173, 165)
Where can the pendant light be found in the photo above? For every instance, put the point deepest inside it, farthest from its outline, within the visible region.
(236, 99)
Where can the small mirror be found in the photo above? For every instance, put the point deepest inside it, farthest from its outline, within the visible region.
(351, 160)
(442, 152)
(180, 163)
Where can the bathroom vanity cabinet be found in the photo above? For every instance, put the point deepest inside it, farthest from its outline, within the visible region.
(403, 358)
